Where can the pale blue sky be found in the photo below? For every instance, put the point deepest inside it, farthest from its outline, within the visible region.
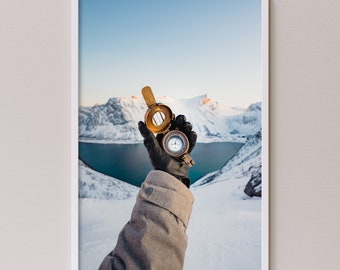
(180, 48)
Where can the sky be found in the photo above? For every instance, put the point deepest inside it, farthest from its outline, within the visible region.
(180, 48)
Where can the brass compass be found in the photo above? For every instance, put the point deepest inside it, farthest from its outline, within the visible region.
(158, 119)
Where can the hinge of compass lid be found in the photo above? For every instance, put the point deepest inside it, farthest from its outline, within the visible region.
(188, 160)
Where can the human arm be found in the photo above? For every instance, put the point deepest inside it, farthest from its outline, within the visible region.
(155, 237)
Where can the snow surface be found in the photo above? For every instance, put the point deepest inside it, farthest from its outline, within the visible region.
(224, 230)
(246, 161)
(93, 184)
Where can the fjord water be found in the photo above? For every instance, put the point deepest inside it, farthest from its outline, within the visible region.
(130, 162)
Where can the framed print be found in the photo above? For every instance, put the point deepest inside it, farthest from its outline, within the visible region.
(205, 60)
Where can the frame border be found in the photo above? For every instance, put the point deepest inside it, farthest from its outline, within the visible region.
(74, 134)
(265, 133)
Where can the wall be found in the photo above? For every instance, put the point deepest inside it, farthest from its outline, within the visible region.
(35, 137)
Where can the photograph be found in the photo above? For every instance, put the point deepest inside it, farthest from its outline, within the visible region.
(173, 134)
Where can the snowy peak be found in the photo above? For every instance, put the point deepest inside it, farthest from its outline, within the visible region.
(116, 121)
(255, 107)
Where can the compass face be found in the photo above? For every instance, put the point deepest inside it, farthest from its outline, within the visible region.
(175, 143)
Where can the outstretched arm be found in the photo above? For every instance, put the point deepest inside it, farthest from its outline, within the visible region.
(155, 237)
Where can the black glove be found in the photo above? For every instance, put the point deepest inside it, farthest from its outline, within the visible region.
(159, 158)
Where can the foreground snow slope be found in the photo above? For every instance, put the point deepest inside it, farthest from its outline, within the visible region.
(93, 184)
(225, 228)
(224, 231)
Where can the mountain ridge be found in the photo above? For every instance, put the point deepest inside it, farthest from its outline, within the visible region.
(116, 120)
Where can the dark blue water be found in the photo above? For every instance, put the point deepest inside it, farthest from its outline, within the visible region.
(130, 162)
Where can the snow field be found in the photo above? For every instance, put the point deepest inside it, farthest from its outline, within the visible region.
(225, 228)
(224, 231)
(100, 222)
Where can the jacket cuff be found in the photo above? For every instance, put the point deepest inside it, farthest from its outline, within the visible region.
(168, 192)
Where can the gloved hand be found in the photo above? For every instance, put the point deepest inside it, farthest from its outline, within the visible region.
(159, 158)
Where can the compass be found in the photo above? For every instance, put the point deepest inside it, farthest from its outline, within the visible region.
(175, 143)
(158, 119)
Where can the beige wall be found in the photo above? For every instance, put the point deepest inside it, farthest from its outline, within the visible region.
(304, 134)
(35, 91)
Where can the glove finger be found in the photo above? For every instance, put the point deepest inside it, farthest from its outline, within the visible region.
(150, 141)
(186, 127)
(180, 120)
(159, 138)
(192, 137)
(144, 131)
(151, 144)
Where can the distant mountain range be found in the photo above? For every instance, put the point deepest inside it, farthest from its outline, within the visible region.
(116, 121)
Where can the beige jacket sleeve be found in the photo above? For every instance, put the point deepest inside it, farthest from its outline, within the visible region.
(155, 237)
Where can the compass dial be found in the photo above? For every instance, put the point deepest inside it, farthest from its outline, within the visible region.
(175, 143)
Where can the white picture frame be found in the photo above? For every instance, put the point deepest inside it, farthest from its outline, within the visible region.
(265, 136)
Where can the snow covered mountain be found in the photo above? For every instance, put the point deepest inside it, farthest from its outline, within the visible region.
(96, 185)
(246, 164)
(116, 121)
